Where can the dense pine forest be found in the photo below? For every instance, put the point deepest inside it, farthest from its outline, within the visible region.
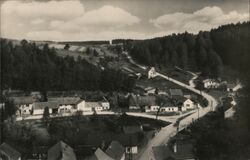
(28, 68)
(207, 51)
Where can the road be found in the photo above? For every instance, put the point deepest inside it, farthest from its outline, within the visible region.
(167, 132)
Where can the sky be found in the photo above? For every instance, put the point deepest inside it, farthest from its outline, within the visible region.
(81, 20)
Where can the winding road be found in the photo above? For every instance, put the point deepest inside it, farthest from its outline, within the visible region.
(169, 131)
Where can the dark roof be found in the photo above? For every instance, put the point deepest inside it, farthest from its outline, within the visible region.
(9, 151)
(100, 155)
(147, 101)
(132, 129)
(184, 151)
(65, 100)
(115, 150)
(231, 85)
(176, 92)
(22, 100)
(61, 151)
(42, 105)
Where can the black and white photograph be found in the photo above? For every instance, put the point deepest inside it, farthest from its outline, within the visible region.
(124, 80)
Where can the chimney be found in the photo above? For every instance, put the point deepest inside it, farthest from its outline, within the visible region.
(175, 147)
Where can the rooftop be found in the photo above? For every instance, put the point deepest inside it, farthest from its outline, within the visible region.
(61, 151)
(100, 155)
(115, 150)
(176, 92)
(8, 150)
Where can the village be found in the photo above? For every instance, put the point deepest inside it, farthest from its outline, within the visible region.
(145, 101)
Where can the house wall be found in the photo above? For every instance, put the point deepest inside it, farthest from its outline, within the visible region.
(40, 111)
(98, 108)
(82, 107)
(65, 108)
(134, 107)
(133, 149)
(169, 109)
(154, 108)
(105, 105)
(188, 104)
(25, 109)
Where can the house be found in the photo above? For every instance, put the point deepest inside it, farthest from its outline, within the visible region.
(149, 103)
(100, 155)
(24, 104)
(61, 151)
(116, 151)
(169, 107)
(210, 83)
(175, 92)
(149, 90)
(94, 106)
(9, 153)
(189, 104)
(133, 102)
(151, 72)
(182, 150)
(38, 107)
(230, 87)
(130, 142)
(105, 105)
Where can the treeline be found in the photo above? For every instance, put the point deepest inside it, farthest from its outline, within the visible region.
(27, 67)
(206, 51)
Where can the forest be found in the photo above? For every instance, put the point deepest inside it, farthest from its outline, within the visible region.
(208, 51)
(26, 67)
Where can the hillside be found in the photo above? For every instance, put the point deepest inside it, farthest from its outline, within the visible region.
(207, 51)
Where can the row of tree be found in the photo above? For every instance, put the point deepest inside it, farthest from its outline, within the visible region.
(206, 51)
(29, 67)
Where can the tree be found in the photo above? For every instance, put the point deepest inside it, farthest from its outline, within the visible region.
(160, 100)
(46, 115)
(67, 46)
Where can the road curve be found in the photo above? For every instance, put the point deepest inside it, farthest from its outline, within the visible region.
(169, 131)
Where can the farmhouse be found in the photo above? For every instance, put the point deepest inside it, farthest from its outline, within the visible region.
(151, 72)
(24, 104)
(96, 106)
(38, 108)
(9, 153)
(169, 107)
(230, 87)
(61, 151)
(188, 104)
(210, 83)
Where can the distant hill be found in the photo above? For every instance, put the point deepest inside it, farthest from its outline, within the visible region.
(206, 51)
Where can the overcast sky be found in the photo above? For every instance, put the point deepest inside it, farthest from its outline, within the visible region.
(81, 20)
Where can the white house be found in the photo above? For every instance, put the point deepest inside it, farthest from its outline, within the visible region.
(210, 83)
(105, 105)
(38, 107)
(149, 90)
(151, 72)
(188, 104)
(24, 104)
(153, 108)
